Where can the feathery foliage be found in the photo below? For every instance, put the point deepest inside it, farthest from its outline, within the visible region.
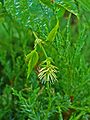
(44, 60)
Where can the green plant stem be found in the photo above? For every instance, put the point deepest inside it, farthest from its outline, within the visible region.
(49, 101)
(35, 35)
(86, 109)
(44, 51)
(60, 113)
(41, 45)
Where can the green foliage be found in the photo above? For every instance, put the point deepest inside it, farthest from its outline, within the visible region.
(36, 20)
(32, 59)
(0, 5)
(53, 32)
(44, 60)
(69, 5)
(85, 4)
(47, 2)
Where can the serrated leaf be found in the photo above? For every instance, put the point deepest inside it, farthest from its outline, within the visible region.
(69, 5)
(30, 14)
(53, 33)
(33, 59)
(37, 16)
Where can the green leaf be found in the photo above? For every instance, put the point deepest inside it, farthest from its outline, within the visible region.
(60, 12)
(33, 59)
(53, 32)
(31, 14)
(47, 2)
(27, 57)
(37, 16)
(69, 5)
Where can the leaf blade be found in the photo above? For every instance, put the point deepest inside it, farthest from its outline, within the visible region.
(33, 59)
(53, 32)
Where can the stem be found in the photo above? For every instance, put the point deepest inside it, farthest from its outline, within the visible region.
(44, 51)
(35, 35)
(60, 113)
(41, 46)
(49, 101)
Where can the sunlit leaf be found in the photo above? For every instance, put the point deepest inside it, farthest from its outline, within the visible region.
(53, 33)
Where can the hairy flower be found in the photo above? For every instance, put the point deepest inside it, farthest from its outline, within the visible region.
(48, 73)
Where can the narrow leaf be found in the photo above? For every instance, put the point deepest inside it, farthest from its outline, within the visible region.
(33, 59)
(27, 57)
(53, 33)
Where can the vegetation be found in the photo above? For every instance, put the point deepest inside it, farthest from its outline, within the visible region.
(44, 60)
